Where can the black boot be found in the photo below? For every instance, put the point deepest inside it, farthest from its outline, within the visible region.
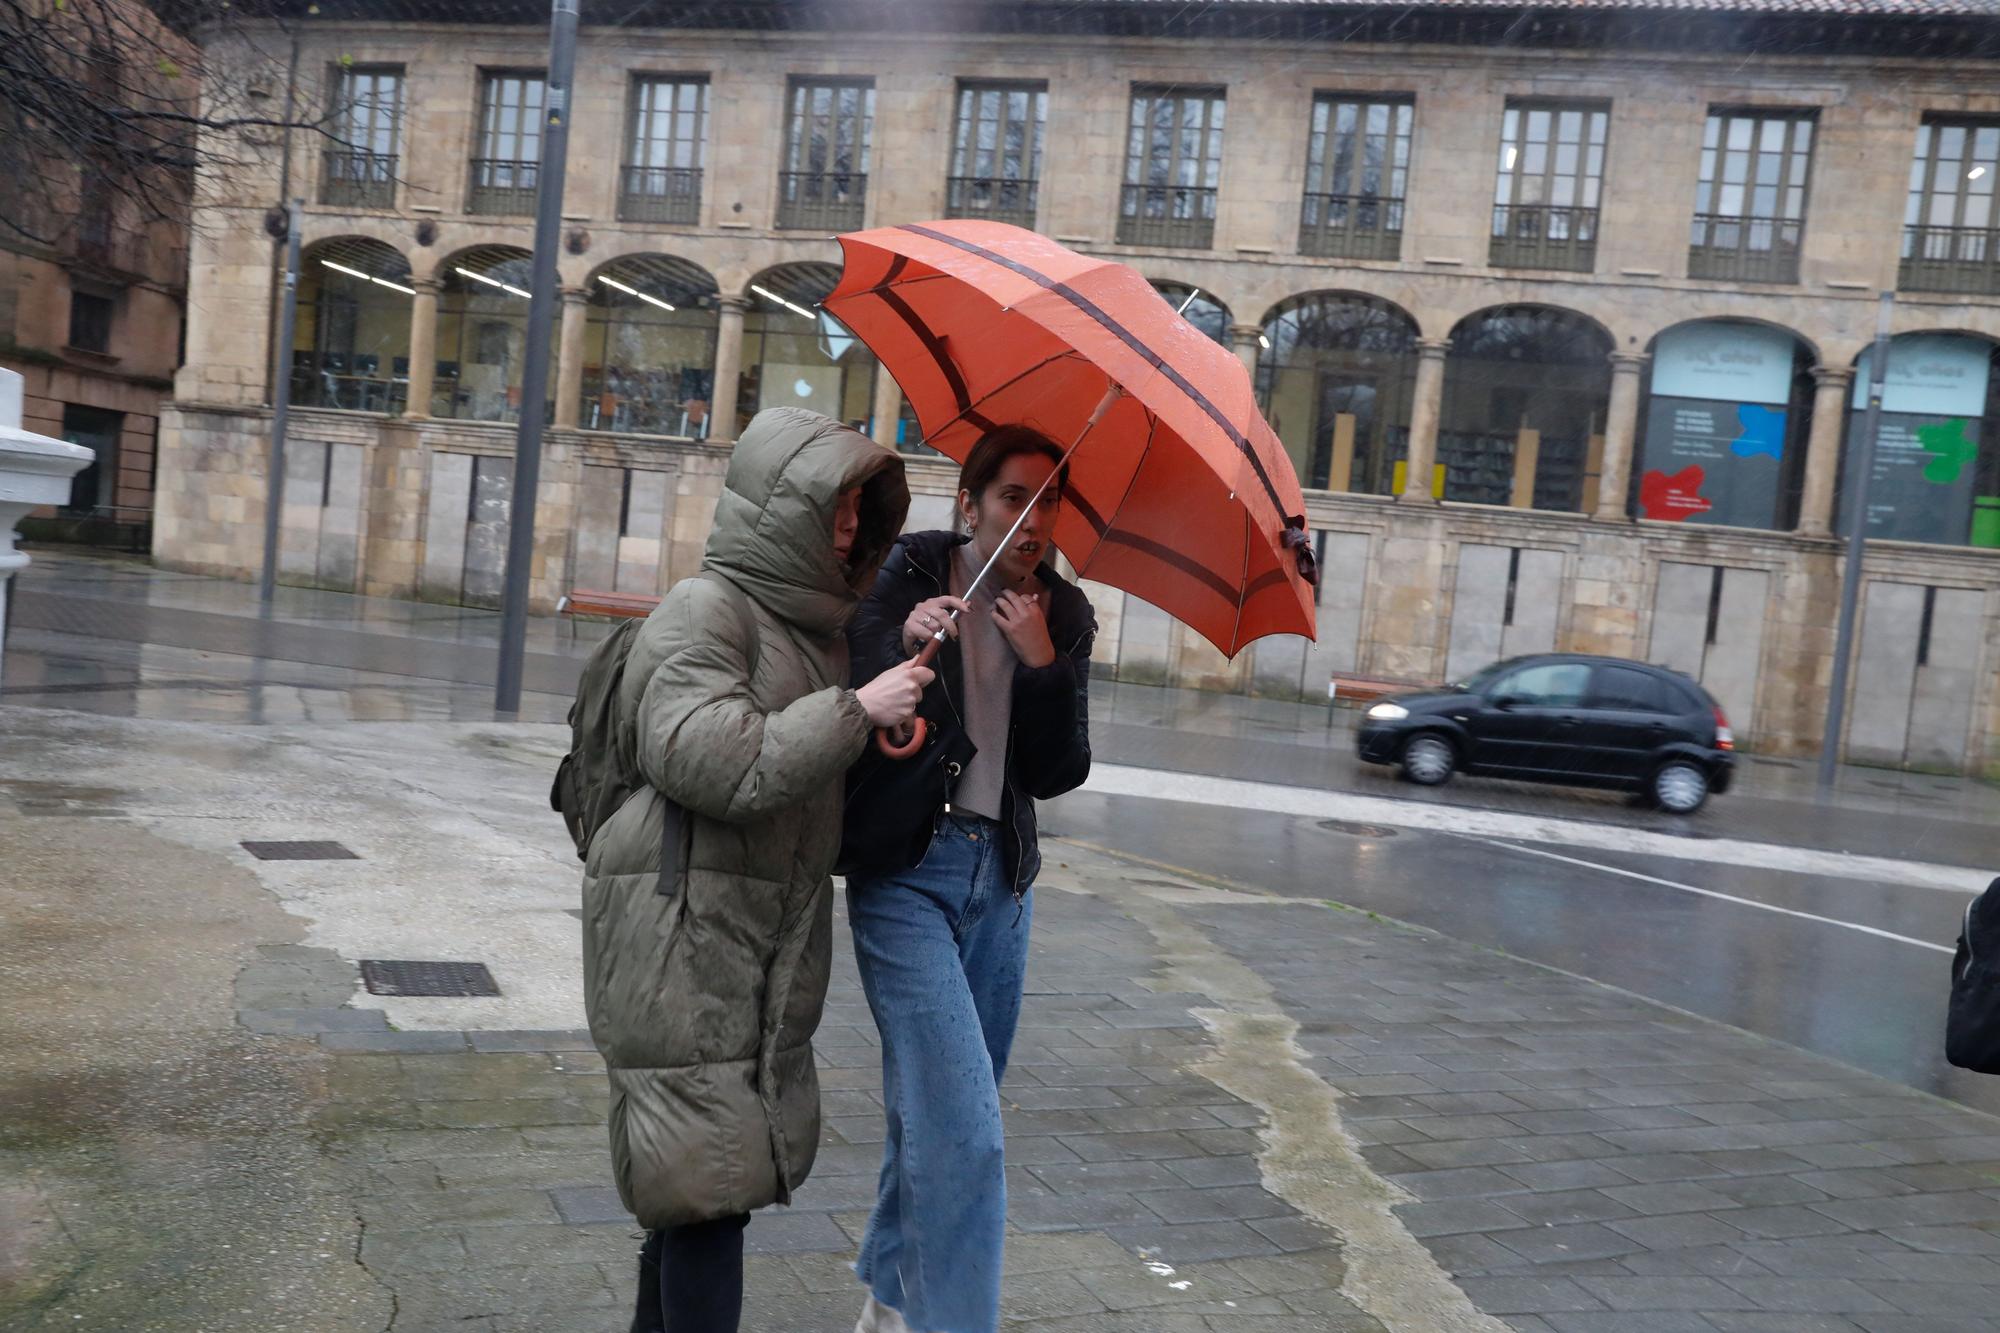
(649, 1317)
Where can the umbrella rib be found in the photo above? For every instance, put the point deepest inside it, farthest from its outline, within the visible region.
(1131, 483)
(1242, 591)
(972, 407)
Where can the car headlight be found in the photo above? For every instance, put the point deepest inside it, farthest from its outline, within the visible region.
(1388, 712)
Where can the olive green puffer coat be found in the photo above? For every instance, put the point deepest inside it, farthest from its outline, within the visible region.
(704, 999)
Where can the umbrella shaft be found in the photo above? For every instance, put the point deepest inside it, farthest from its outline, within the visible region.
(1103, 406)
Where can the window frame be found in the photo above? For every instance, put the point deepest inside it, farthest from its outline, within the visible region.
(1011, 196)
(104, 324)
(1740, 244)
(1342, 223)
(651, 190)
(1954, 256)
(1576, 249)
(1188, 220)
(815, 191)
(356, 170)
(509, 180)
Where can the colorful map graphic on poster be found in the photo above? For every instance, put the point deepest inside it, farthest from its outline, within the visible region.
(1921, 486)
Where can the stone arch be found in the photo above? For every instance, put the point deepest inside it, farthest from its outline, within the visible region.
(1336, 375)
(482, 329)
(649, 343)
(1526, 393)
(351, 345)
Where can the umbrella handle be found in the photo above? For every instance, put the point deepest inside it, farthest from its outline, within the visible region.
(919, 729)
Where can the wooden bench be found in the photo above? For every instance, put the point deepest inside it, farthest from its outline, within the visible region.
(1367, 689)
(611, 605)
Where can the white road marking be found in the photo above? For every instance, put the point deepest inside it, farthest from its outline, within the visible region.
(1711, 893)
(1311, 803)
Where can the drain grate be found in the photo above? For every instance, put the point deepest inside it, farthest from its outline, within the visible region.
(1354, 830)
(402, 977)
(299, 851)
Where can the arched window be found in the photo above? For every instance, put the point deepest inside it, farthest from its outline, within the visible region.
(1198, 308)
(482, 334)
(1522, 423)
(797, 355)
(1722, 431)
(649, 347)
(352, 346)
(1335, 377)
(1936, 474)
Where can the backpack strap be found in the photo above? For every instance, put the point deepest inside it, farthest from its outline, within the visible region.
(674, 816)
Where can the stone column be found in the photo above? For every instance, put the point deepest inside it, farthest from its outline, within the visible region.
(1425, 404)
(569, 359)
(888, 406)
(1246, 339)
(728, 367)
(1621, 428)
(1829, 421)
(423, 346)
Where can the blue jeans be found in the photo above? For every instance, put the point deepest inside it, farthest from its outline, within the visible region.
(943, 952)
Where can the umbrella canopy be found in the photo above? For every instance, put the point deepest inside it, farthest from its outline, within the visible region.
(1182, 496)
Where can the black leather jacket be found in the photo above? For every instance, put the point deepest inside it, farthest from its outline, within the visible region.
(893, 806)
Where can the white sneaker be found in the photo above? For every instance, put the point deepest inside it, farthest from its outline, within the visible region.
(879, 1318)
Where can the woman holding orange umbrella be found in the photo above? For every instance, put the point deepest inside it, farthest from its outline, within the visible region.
(942, 855)
(1150, 466)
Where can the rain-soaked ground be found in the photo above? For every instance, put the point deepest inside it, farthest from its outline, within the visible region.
(1820, 919)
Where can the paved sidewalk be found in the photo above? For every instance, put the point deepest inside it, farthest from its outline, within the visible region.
(1228, 1110)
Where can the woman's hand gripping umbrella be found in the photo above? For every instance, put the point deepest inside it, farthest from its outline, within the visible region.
(1178, 491)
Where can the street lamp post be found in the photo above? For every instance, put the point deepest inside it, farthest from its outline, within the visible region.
(1860, 471)
(281, 410)
(535, 367)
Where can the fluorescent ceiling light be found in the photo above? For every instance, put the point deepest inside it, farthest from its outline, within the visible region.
(1263, 342)
(1512, 153)
(369, 277)
(1190, 301)
(618, 286)
(493, 282)
(770, 295)
(1975, 173)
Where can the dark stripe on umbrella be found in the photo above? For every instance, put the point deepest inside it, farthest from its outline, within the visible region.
(932, 343)
(1124, 335)
(1159, 551)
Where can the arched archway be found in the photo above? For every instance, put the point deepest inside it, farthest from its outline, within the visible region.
(1197, 307)
(351, 348)
(1723, 425)
(482, 333)
(649, 347)
(1936, 473)
(1525, 393)
(1335, 378)
(797, 355)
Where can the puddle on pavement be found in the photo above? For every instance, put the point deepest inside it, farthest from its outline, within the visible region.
(62, 798)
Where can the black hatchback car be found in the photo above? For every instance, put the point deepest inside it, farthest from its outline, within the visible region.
(1562, 717)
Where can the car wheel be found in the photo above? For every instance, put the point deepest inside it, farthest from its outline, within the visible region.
(1428, 760)
(1680, 788)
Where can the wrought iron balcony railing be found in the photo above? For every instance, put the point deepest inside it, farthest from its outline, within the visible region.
(992, 197)
(822, 200)
(1351, 226)
(1740, 249)
(660, 194)
(357, 180)
(503, 187)
(1963, 260)
(1544, 236)
(1178, 216)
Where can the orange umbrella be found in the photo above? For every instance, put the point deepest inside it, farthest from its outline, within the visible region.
(1182, 496)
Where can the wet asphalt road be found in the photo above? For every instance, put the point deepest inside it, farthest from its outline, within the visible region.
(1873, 1002)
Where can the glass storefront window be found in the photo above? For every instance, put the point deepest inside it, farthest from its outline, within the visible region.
(352, 345)
(649, 347)
(1525, 392)
(797, 355)
(482, 334)
(1936, 475)
(1336, 378)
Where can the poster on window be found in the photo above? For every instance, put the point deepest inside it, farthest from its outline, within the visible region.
(1933, 400)
(1715, 436)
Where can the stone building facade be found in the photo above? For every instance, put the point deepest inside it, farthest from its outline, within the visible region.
(1564, 335)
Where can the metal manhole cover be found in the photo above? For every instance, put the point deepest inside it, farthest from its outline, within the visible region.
(402, 977)
(1354, 830)
(299, 851)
